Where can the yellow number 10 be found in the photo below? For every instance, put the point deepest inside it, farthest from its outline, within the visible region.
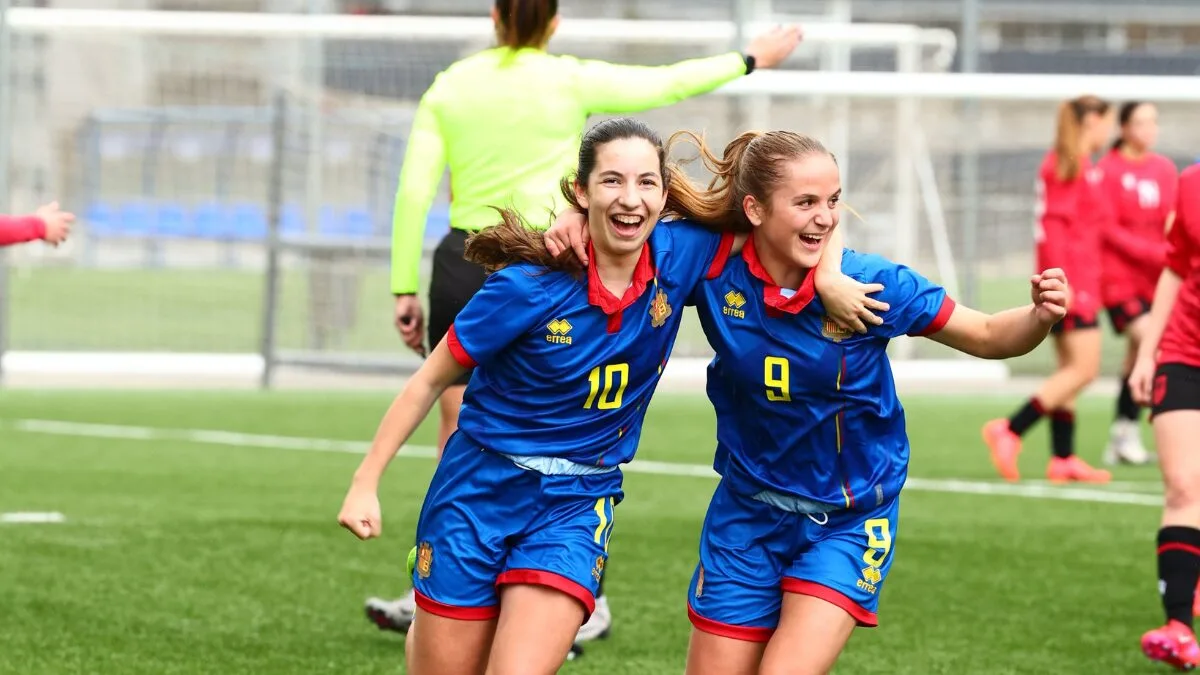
(607, 399)
(777, 377)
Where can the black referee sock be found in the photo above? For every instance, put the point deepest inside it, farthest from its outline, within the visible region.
(1062, 433)
(1178, 570)
(1026, 417)
(1127, 408)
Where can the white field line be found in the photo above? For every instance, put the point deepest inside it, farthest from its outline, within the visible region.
(1029, 490)
(32, 517)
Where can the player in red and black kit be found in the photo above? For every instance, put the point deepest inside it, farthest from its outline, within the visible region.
(1166, 376)
(1140, 186)
(1071, 216)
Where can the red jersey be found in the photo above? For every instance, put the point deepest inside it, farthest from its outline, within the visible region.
(1071, 217)
(20, 229)
(1181, 339)
(1141, 194)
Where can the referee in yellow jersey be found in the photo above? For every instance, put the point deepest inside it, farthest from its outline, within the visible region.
(508, 121)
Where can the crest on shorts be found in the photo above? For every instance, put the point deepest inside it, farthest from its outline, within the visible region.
(831, 331)
(872, 575)
(598, 570)
(660, 309)
(424, 559)
(700, 582)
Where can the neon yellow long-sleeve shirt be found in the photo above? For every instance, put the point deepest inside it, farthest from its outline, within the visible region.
(509, 123)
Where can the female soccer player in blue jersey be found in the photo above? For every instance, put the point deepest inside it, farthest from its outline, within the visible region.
(513, 535)
(811, 444)
(506, 122)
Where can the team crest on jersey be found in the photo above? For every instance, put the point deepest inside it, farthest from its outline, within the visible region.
(559, 332)
(832, 331)
(871, 576)
(660, 309)
(598, 570)
(734, 301)
(424, 559)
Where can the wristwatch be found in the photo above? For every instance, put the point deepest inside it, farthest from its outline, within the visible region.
(749, 59)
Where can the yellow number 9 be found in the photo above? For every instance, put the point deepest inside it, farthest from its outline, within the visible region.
(776, 377)
(879, 541)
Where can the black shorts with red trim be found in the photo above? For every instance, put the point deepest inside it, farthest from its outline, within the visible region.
(487, 522)
(1176, 387)
(454, 281)
(1072, 322)
(1123, 314)
(753, 552)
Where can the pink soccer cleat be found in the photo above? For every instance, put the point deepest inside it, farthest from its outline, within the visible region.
(1004, 446)
(1174, 644)
(1074, 469)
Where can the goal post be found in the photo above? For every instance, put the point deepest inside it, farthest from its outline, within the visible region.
(234, 173)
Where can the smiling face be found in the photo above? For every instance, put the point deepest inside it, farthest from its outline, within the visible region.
(793, 225)
(624, 195)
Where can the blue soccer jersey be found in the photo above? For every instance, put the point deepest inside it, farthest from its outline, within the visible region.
(566, 370)
(805, 409)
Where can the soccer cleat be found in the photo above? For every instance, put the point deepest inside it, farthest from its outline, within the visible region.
(1074, 469)
(1125, 445)
(395, 614)
(598, 623)
(1174, 644)
(1004, 446)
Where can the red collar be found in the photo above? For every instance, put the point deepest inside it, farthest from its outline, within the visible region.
(772, 294)
(610, 304)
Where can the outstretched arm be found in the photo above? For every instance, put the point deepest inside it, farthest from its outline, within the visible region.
(360, 511)
(1012, 332)
(608, 88)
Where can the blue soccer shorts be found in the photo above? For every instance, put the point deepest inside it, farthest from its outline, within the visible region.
(487, 522)
(751, 553)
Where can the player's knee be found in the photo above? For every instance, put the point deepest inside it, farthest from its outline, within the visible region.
(1084, 372)
(1182, 491)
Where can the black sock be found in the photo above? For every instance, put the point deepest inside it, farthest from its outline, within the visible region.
(1178, 570)
(1062, 433)
(1127, 409)
(1026, 417)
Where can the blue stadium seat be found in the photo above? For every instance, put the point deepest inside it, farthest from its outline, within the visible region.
(248, 222)
(173, 221)
(357, 222)
(136, 219)
(437, 225)
(208, 221)
(101, 220)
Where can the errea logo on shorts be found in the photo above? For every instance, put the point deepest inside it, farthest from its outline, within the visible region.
(734, 301)
(559, 332)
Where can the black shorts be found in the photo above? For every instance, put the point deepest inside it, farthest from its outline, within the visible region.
(454, 281)
(1176, 387)
(1072, 322)
(1123, 314)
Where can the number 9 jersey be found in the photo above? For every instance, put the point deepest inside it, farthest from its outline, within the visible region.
(811, 443)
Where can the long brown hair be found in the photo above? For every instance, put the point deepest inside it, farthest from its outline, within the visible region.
(1068, 137)
(752, 164)
(525, 23)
